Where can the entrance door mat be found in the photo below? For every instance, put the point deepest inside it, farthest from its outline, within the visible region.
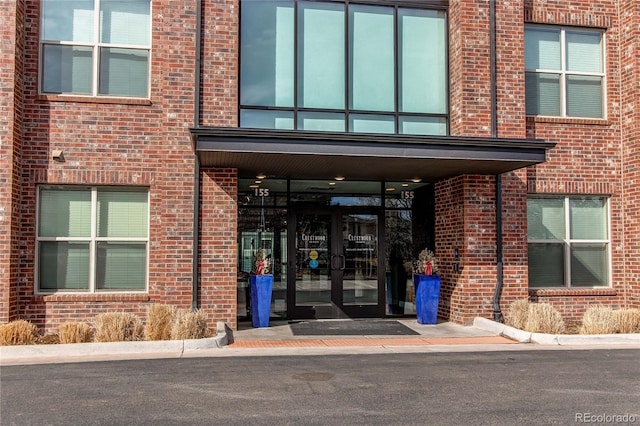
(365, 327)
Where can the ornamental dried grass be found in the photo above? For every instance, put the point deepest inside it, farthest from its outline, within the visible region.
(18, 332)
(599, 320)
(543, 318)
(118, 327)
(628, 320)
(189, 325)
(159, 322)
(75, 332)
(517, 312)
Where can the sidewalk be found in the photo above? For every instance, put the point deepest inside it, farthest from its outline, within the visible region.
(282, 335)
(284, 338)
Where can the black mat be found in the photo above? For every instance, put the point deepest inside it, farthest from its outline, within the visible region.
(364, 327)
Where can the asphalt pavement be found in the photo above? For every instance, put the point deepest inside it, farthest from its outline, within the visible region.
(524, 387)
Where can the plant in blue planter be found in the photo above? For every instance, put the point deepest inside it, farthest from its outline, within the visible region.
(261, 282)
(427, 287)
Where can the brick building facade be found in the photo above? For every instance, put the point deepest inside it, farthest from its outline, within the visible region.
(182, 142)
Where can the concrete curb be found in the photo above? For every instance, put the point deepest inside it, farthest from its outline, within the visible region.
(554, 339)
(83, 351)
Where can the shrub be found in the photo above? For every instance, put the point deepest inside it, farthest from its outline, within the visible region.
(159, 322)
(118, 327)
(18, 332)
(628, 320)
(543, 318)
(516, 315)
(189, 325)
(598, 320)
(75, 332)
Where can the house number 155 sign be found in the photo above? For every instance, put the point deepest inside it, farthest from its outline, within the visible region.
(406, 195)
(261, 192)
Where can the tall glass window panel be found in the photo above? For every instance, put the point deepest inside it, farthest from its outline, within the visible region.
(588, 218)
(413, 125)
(589, 265)
(322, 121)
(371, 123)
(371, 56)
(546, 265)
(422, 61)
(67, 69)
(542, 48)
(69, 20)
(121, 266)
(267, 53)
(124, 72)
(125, 22)
(63, 265)
(584, 51)
(64, 213)
(546, 218)
(123, 214)
(260, 119)
(584, 96)
(321, 55)
(542, 93)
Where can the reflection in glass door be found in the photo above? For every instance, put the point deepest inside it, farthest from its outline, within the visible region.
(336, 265)
(360, 248)
(313, 263)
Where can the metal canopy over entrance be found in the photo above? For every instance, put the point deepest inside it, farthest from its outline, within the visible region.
(290, 212)
(311, 155)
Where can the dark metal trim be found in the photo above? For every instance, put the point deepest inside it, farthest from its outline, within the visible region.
(418, 4)
(195, 274)
(497, 312)
(217, 139)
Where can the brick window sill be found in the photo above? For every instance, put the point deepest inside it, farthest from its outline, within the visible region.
(94, 297)
(542, 292)
(94, 99)
(566, 120)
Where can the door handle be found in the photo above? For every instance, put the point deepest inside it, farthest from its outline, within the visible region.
(341, 264)
(344, 261)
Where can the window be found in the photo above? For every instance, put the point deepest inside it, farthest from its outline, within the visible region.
(568, 241)
(92, 239)
(96, 47)
(343, 67)
(564, 72)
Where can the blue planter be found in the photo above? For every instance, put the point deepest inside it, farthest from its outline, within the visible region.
(427, 297)
(261, 289)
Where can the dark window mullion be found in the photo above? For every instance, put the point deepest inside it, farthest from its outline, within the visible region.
(396, 67)
(347, 87)
(295, 65)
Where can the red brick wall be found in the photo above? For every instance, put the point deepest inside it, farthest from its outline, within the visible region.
(220, 59)
(218, 244)
(450, 234)
(148, 143)
(465, 206)
(219, 211)
(11, 105)
(118, 142)
(587, 158)
(630, 123)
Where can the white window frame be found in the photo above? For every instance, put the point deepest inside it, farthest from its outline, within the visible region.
(95, 46)
(569, 242)
(93, 241)
(563, 72)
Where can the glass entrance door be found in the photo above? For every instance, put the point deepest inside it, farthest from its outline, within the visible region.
(336, 266)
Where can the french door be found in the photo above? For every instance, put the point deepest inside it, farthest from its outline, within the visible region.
(336, 270)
